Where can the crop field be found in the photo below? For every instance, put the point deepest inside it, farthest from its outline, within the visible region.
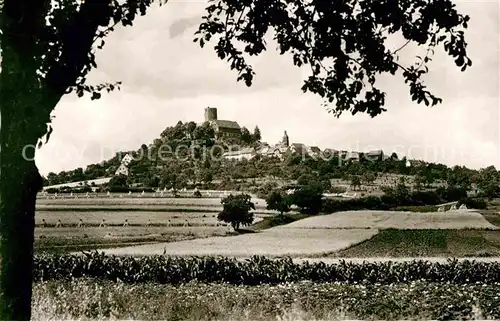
(135, 218)
(326, 235)
(149, 220)
(144, 201)
(67, 239)
(272, 242)
(132, 231)
(467, 219)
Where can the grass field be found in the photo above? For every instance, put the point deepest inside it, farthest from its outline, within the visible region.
(399, 220)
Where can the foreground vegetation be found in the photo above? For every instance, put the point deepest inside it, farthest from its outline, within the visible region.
(85, 299)
(257, 270)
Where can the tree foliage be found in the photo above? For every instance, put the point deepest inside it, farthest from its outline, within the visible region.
(237, 210)
(278, 201)
(343, 42)
(308, 198)
(118, 180)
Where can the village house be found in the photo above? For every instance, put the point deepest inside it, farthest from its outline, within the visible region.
(353, 157)
(374, 155)
(126, 159)
(245, 153)
(298, 148)
(314, 151)
(329, 153)
(122, 170)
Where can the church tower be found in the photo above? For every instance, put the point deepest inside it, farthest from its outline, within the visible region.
(285, 141)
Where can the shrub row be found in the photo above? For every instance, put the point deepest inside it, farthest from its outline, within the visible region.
(386, 202)
(257, 270)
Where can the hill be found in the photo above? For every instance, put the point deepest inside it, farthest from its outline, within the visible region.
(190, 154)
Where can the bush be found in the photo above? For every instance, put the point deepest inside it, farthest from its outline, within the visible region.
(417, 209)
(364, 203)
(451, 194)
(426, 198)
(475, 203)
(118, 189)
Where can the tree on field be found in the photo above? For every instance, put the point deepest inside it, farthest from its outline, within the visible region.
(236, 210)
(308, 198)
(48, 49)
(369, 177)
(355, 182)
(278, 201)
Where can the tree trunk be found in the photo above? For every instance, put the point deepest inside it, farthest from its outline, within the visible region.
(24, 115)
(20, 182)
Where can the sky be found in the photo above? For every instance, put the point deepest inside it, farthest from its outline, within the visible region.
(166, 77)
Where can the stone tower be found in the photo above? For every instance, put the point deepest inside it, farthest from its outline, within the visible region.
(210, 114)
(285, 141)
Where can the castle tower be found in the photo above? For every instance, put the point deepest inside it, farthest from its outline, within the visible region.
(210, 114)
(285, 141)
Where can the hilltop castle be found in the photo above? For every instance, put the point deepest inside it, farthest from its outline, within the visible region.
(222, 128)
(229, 128)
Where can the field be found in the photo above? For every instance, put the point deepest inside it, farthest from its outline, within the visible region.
(338, 233)
(149, 220)
(143, 201)
(467, 219)
(135, 218)
(434, 243)
(164, 287)
(272, 242)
